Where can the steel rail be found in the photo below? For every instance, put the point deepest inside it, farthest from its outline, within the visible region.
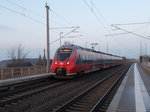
(12, 88)
(14, 96)
(105, 96)
(21, 96)
(72, 101)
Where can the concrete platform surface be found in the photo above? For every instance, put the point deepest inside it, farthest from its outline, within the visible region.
(4, 82)
(133, 94)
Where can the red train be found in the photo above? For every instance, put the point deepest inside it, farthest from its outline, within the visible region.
(72, 60)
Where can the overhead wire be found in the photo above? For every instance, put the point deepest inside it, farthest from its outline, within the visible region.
(62, 18)
(93, 4)
(146, 30)
(67, 22)
(131, 32)
(116, 24)
(126, 32)
(28, 10)
(99, 20)
(22, 14)
(100, 13)
(64, 35)
(23, 8)
(104, 19)
(119, 42)
(96, 15)
(13, 3)
(123, 24)
(132, 23)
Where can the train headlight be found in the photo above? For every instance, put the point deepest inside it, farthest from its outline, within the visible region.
(68, 63)
(55, 62)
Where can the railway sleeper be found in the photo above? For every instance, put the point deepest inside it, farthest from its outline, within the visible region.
(6, 98)
(79, 109)
(88, 97)
(84, 106)
(102, 110)
(89, 100)
(2, 109)
(67, 110)
(2, 100)
(14, 96)
(104, 107)
(84, 102)
(106, 104)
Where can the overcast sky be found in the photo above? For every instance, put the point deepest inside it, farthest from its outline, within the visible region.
(23, 22)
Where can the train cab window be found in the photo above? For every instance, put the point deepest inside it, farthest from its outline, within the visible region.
(64, 54)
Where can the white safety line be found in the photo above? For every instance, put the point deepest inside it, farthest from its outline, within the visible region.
(115, 102)
(144, 92)
(139, 102)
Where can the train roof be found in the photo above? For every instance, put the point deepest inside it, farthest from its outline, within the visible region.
(87, 49)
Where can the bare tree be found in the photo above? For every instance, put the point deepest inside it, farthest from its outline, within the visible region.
(17, 55)
(39, 62)
(11, 54)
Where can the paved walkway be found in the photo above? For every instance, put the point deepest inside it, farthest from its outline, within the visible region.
(22, 79)
(134, 93)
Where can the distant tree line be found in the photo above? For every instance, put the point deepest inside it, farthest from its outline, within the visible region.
(18, 56)
(41, 61)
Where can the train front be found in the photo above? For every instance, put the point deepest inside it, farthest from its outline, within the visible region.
(63, 63)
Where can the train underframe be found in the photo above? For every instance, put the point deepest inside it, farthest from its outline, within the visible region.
(64, 74)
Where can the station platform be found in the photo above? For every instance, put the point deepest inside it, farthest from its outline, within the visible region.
(133, 94)
(5, 82)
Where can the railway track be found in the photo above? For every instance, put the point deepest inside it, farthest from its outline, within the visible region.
(9, 89)
(97, 97)
(21, 93)
(11, 94)
(30, 90)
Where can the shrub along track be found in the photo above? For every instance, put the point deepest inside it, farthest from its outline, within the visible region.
(59, 93)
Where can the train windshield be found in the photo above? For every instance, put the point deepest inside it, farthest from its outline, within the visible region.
(63, 54)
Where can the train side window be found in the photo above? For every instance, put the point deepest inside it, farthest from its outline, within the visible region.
(78, 59)
(83, 58)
